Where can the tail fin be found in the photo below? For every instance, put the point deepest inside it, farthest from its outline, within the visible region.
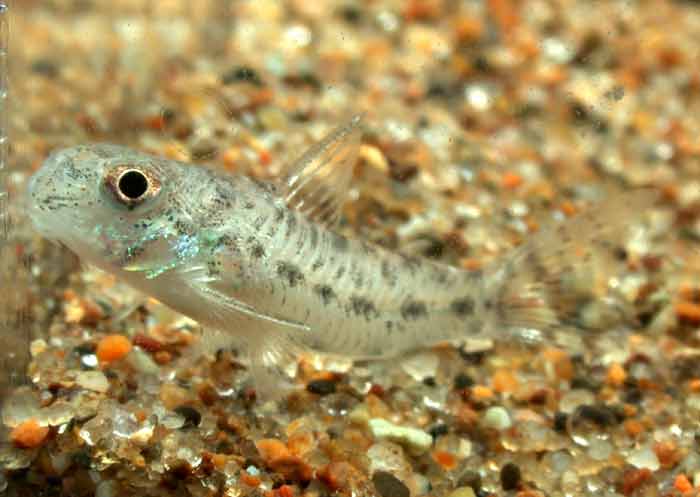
(543, 290)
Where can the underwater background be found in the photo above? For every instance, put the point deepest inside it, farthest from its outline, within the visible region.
(483, 122)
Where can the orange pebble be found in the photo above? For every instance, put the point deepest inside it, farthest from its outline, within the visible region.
(511, 180)
(568, 208)
(113, 348)
(682, 483)
(694, 385)
(445, 459)
(219, 460)
(250, 480)
(616, 375)
(29, 434)
(481, 393)
(285, 491)
(688, 312)
(271, 449)
(633, 427)
(504, 381)
(265, 157)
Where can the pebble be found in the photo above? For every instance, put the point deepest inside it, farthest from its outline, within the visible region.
(498, 418)
(644, 457)
(29, 434)
(463, 492)
(113, 348)
(321, 387)
(415, 440)
(191, 415)
(421, 366)
(93, 380)
(510, 476)
(388, 485)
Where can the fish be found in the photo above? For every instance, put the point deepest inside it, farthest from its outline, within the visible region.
(262, 265)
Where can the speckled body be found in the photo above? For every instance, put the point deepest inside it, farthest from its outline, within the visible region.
(237, 237)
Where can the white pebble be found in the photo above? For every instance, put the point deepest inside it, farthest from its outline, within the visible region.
(497, 417)
(93, 380)
(414, 439)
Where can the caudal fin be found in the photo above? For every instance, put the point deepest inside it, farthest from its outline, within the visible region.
(550, 287)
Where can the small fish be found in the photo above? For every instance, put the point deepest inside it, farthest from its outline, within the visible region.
(261, 265)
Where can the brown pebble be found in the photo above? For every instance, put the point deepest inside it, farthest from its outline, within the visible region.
(207, 394)
(336, 475)
(162, 357)
(388, 485)
(633, 479)
(173, 396)
(668, 454)
(147, 343)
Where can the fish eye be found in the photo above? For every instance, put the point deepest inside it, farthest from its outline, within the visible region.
(131, 186)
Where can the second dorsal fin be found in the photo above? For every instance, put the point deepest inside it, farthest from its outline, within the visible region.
(318, 182)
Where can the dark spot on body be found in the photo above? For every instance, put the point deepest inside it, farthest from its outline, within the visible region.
(363, 307)
(357, 277)
(368, 248)
(291, 224)
(340, 272)
(249, 204)
(412, 263)
(389, 274)
(290, 273)
(258, 223)
(318, 264)
(256, 249)
(462, 307)
(340, 243)
(325, 292)
(413, 309)
(313, 236)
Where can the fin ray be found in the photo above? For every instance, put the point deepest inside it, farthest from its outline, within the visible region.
(317, 183)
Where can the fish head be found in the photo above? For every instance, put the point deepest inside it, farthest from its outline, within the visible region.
(114, 207)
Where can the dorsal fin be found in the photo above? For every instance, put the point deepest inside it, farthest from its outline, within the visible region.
(318, 182)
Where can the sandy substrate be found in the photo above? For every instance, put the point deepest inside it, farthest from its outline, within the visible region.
(483, 122)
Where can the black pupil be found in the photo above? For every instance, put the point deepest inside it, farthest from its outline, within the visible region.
(133, 184)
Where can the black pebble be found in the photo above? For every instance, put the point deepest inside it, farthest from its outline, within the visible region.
(241, 74)
(388, 485)
(510, 476)
(429, 381)
(191, 415)
(45, 67)
(560, 420)
(463, 381)
(602, 415)
(321, 387)
(438, 430)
